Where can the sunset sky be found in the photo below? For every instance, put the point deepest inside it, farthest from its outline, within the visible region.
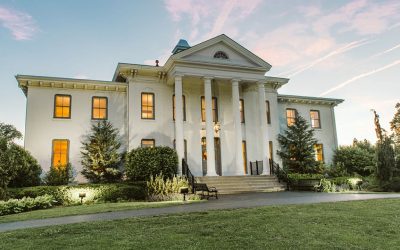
(341, 49)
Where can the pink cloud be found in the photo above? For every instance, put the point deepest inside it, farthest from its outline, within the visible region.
(21, 25)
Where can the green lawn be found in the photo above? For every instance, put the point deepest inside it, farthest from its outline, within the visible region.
(373, 224)
(85, 209)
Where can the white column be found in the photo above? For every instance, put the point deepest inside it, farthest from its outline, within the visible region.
(209, 128)
(263, 127)
(238, 128)
(179, 144)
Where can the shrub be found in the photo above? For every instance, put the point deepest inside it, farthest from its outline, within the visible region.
(59, 175)
(393, 185)
(161, 189)
(295, 176)
(27, 169)
(14, 206)
(66, 195)
(325, 186)
(142, 163)
(101, 160)
(355, 159)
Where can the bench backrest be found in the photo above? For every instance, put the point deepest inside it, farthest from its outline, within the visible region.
(201, 187)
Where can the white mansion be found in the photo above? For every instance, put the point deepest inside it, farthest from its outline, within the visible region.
(227, 113)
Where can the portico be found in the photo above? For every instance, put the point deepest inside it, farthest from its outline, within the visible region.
(230, 125)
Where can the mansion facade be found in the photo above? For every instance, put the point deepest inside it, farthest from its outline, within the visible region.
(212, 102)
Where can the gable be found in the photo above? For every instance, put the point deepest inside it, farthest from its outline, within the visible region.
(237, 55)
(207, 55)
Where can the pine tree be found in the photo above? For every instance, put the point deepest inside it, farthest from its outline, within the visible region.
(297, 147)
(385, 153)
(101, 160)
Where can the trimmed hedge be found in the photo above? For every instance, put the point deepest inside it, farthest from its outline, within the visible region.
(142, 163)
(66, 195)
(14, 206)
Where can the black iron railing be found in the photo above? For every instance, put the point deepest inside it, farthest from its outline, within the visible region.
(186, 172)
(279, 172)
(256, 167)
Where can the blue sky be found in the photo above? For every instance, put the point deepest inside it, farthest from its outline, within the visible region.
(342, 49)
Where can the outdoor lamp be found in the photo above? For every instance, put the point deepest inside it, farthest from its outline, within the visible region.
(82, 195)
(184, 191)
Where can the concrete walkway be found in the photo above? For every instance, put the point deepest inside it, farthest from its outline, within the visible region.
(225, 202)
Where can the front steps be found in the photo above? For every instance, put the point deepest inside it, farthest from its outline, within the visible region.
(243, 184)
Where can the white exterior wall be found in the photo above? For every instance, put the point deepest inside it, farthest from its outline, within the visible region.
(326, 135)
(41, 128)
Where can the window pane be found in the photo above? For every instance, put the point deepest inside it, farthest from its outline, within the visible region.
(59, 101)
(66, 101)
(146, 143)
(102, 114)
(60, 152)
(102, 103)
(65, 112)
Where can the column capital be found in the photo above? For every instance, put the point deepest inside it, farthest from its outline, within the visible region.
(235, 81)
(261, 84)
(178, 77)
(208, 77)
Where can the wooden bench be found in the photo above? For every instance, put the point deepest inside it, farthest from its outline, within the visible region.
(205, 190)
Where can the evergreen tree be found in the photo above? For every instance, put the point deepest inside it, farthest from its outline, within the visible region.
(385, 153)
(395, 127)
(297, 147)
(100, 157)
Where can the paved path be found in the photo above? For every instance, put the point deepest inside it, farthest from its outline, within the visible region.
(225, 202)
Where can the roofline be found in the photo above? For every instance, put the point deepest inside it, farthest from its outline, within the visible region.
(134, 66)
(333, 101)
(63, 79)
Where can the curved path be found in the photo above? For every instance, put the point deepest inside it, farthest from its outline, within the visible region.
(248, 200)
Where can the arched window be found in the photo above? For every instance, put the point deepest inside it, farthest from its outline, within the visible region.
(221, 55)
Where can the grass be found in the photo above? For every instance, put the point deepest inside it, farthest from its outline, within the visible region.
(372, 224)
(85, 209)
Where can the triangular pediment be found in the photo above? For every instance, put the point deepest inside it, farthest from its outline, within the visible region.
(236, 54)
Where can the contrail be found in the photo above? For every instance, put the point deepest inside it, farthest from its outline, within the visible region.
(341, 85)
(384, 52)
(338, 51)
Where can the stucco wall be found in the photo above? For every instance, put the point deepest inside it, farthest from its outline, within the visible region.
(325, 134)
(42, 128)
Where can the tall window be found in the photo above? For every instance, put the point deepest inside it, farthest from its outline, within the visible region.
(184, 148)
(99, 108)
(214, 109)
(148, 106)
(62, 106)
(242, 110)
(148, 143)
(174, 105)
(244, 152)
(268, 112)
(60, 150)
(315, 119)
(290, 116)
(319, 152)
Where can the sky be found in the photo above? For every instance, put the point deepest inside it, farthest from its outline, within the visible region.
(340, 49)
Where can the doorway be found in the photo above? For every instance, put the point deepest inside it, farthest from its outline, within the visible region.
(217, 152)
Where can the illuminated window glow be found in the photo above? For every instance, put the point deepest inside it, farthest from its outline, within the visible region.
(242, 119)
(148, 106)
(148, 143)
(290, 116)
(62, 106)
(60, 152)
(319, 152)
(99, 108)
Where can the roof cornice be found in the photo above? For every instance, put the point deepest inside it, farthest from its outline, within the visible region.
(26, 81)
(309, 100)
